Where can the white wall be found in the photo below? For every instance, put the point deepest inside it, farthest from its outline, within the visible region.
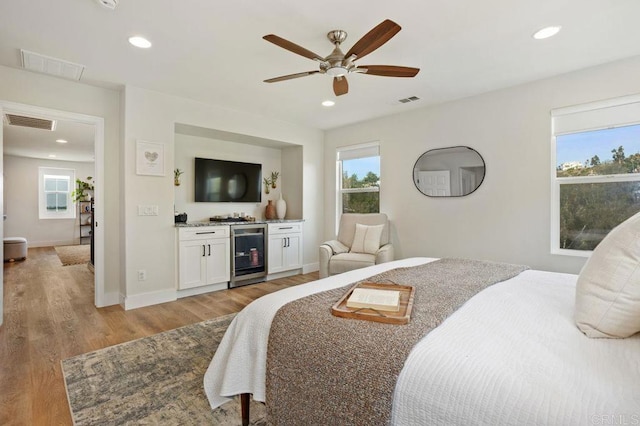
(149, 241)
(21, 202)
(508, 217)
(189, 147)
(55, 93)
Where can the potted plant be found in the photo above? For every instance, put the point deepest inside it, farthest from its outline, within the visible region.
(274, 178)
(267, 184)
(80, 193)
(176, 176)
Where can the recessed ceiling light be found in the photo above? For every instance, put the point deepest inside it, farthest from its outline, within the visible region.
(546, 32)
(328, 103)
(61, 141)
(140, 42)
(52, 156)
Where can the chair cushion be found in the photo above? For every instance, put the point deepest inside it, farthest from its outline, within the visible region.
(348, 223)
(349, 261)
(366, 239)
(608, 288)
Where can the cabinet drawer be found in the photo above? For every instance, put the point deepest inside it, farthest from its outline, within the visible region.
(203, 233)
(285, 228)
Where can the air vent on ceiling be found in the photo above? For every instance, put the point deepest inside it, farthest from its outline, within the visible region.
(52, 66)
(35, 123)
(409, 99)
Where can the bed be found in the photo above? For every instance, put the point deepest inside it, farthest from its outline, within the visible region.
(510, 355)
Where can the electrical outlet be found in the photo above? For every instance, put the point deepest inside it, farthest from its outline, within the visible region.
(142, 275)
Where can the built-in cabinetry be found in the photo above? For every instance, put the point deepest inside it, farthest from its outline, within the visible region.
(85, 215)
(204, 256)
(285, 246)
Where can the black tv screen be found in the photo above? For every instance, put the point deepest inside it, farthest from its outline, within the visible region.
(227, 181)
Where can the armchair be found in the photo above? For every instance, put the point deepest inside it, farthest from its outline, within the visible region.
(340, 255)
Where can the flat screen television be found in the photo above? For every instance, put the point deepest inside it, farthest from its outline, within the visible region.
(227, 181)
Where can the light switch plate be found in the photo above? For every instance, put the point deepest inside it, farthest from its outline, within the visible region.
(147, 210)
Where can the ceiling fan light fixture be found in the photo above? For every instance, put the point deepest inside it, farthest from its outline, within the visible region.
(61, 141)
(337, 71)
(546, 32)
(328, 103)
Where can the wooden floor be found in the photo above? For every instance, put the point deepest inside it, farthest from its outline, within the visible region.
(49, 315)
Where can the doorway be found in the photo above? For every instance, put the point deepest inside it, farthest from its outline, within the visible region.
(97, 123)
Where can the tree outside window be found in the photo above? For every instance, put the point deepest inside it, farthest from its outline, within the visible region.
(598, 181)
(359, 175)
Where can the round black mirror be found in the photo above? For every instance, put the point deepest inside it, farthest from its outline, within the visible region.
(449, 172)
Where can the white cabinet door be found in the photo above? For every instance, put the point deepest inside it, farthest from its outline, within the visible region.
(285, 252)
(276, 253)
(193, 264)
(218, 260)
(293, 252)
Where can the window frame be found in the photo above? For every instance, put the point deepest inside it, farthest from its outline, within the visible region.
(556, 182)
(365, 147)
(43, 212)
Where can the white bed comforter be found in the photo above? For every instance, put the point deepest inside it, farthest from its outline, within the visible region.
(510, 355)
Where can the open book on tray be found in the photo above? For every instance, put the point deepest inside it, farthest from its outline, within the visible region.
(383, 300)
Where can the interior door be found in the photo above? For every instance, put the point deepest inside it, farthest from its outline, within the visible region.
(435, 183)
(467, 182)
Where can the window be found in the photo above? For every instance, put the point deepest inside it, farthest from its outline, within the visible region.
(596, 172)
(358, 180)
(55, 187)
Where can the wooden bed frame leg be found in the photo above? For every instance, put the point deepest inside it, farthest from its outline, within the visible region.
(244, 408)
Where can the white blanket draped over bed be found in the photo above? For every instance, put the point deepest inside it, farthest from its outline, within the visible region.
(510, 355)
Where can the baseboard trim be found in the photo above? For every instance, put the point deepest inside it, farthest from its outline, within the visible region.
(310, 267)
(283, 274)
(34, 244)
(201, 290)
(147, 299)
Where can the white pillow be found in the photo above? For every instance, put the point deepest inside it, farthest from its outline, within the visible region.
(367, 238)
(608, 288)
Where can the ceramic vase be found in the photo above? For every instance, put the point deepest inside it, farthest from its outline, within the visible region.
(270, 211)
(281, 208)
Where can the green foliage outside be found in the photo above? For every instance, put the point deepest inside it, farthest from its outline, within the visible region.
(620, 164)
(360, 202)
(588, 211)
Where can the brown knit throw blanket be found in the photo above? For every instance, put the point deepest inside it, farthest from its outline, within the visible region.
(322, 369)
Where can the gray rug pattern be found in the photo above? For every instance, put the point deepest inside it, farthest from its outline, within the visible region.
(153, 380)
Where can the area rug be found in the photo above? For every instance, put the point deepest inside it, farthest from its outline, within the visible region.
(153, 380)
(74, 255)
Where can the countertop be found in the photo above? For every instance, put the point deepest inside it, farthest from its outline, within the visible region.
(196, 224)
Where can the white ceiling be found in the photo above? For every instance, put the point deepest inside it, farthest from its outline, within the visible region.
(213, 51)
(38, 143)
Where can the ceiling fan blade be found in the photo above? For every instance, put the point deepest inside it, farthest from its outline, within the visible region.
(388, 70)
(374, 39)
(292, 47)
(340, 86)
(290, 76)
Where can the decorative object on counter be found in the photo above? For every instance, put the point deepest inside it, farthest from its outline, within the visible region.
(176, 176)
(281, 208)
(270, 211)
(267, 185)
(274, 179)
(181, 218)
(80, 193)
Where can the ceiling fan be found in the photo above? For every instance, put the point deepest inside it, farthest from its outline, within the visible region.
(338, 64)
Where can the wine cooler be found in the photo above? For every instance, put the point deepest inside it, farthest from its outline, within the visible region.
(248, 254)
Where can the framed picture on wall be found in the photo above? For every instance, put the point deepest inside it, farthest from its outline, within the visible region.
(149, 158)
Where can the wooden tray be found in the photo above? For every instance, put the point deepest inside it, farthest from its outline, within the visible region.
(403, 316)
